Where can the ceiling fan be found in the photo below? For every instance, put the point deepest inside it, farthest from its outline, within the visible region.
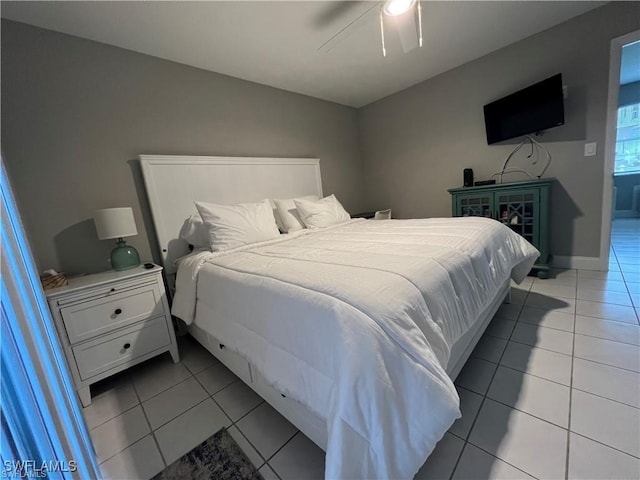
(400, 17)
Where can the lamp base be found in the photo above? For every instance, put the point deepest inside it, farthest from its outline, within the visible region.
(124, 256)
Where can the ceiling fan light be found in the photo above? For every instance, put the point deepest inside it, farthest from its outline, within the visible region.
(394, 8)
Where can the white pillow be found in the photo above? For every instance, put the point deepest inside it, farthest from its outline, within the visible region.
(321, 213)
(232, 226)
(287, 216)
(195, 232)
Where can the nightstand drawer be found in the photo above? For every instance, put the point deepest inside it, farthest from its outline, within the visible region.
(87, 319)
(110, 351)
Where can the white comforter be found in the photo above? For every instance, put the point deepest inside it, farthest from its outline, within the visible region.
(356, 321)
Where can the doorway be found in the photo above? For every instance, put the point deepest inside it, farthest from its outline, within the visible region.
(620, 240)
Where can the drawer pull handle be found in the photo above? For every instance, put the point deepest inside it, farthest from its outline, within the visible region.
(221, 346)
(118, 311)
(126, 345)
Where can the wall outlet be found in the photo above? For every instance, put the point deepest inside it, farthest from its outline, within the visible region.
(590, 149)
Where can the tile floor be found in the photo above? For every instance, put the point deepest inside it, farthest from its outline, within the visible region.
(551, 391)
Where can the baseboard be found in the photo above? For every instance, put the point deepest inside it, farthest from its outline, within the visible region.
(581, 263)
(626, 214)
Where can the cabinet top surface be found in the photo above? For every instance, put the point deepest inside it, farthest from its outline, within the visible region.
(102, 278)
(521, 184)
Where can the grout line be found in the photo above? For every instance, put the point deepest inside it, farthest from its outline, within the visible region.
(209, 396)
(527, 373)
(637, 313)
(264, 462)
(149, 433)
(165, 389)
(573, 351)
(484, 397)
(503, 461)
(121, 450)
(283, 445)
(622, 344)
(606, 445)
(547, 326)
(527, 413)
(602, 318)
(455, 434)
(609, 319)
(610, 340)
(193, 372)
(538, 347)
(606, 303)
(504, 319)
(554, 381)
(235, 424)
(187, 410)
(561, 353)
(178, 415)
(604, 398)
(164, 461)
(608, 364)
(231, 424)
(115, 416)
(274, 471)
(250, 411)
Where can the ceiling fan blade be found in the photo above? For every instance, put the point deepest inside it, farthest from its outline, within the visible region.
(334, 12)
(370, 14)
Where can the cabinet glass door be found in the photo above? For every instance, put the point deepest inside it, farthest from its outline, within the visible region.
(478, 205)
(519, 211)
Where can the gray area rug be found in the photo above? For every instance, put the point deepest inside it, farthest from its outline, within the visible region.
(218, 457)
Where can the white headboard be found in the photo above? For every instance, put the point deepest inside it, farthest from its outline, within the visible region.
(174, 182)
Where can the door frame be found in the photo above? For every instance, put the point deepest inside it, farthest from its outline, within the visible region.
(615, 58)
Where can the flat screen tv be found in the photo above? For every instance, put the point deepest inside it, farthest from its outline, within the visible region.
(529, 110)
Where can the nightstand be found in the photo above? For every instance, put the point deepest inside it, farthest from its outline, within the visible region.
(110, 321)
(368, 215)
(379, 215)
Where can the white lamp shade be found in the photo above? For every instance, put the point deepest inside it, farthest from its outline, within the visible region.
(115, 223)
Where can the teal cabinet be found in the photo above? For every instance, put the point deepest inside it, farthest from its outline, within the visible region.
(522, 206)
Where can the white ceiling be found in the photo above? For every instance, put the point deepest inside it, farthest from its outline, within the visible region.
(278, 43)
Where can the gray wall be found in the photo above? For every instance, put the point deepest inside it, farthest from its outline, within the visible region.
(76, 114)
(417, 142)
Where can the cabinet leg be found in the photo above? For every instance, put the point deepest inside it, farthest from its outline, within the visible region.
(174, 353)
(85, 396)
(542, 274)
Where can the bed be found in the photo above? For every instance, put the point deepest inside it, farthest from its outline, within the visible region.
(353, 332)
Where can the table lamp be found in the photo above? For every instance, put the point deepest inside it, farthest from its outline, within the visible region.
(118, 223)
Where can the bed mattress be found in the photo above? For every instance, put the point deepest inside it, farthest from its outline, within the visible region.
(356, 322)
